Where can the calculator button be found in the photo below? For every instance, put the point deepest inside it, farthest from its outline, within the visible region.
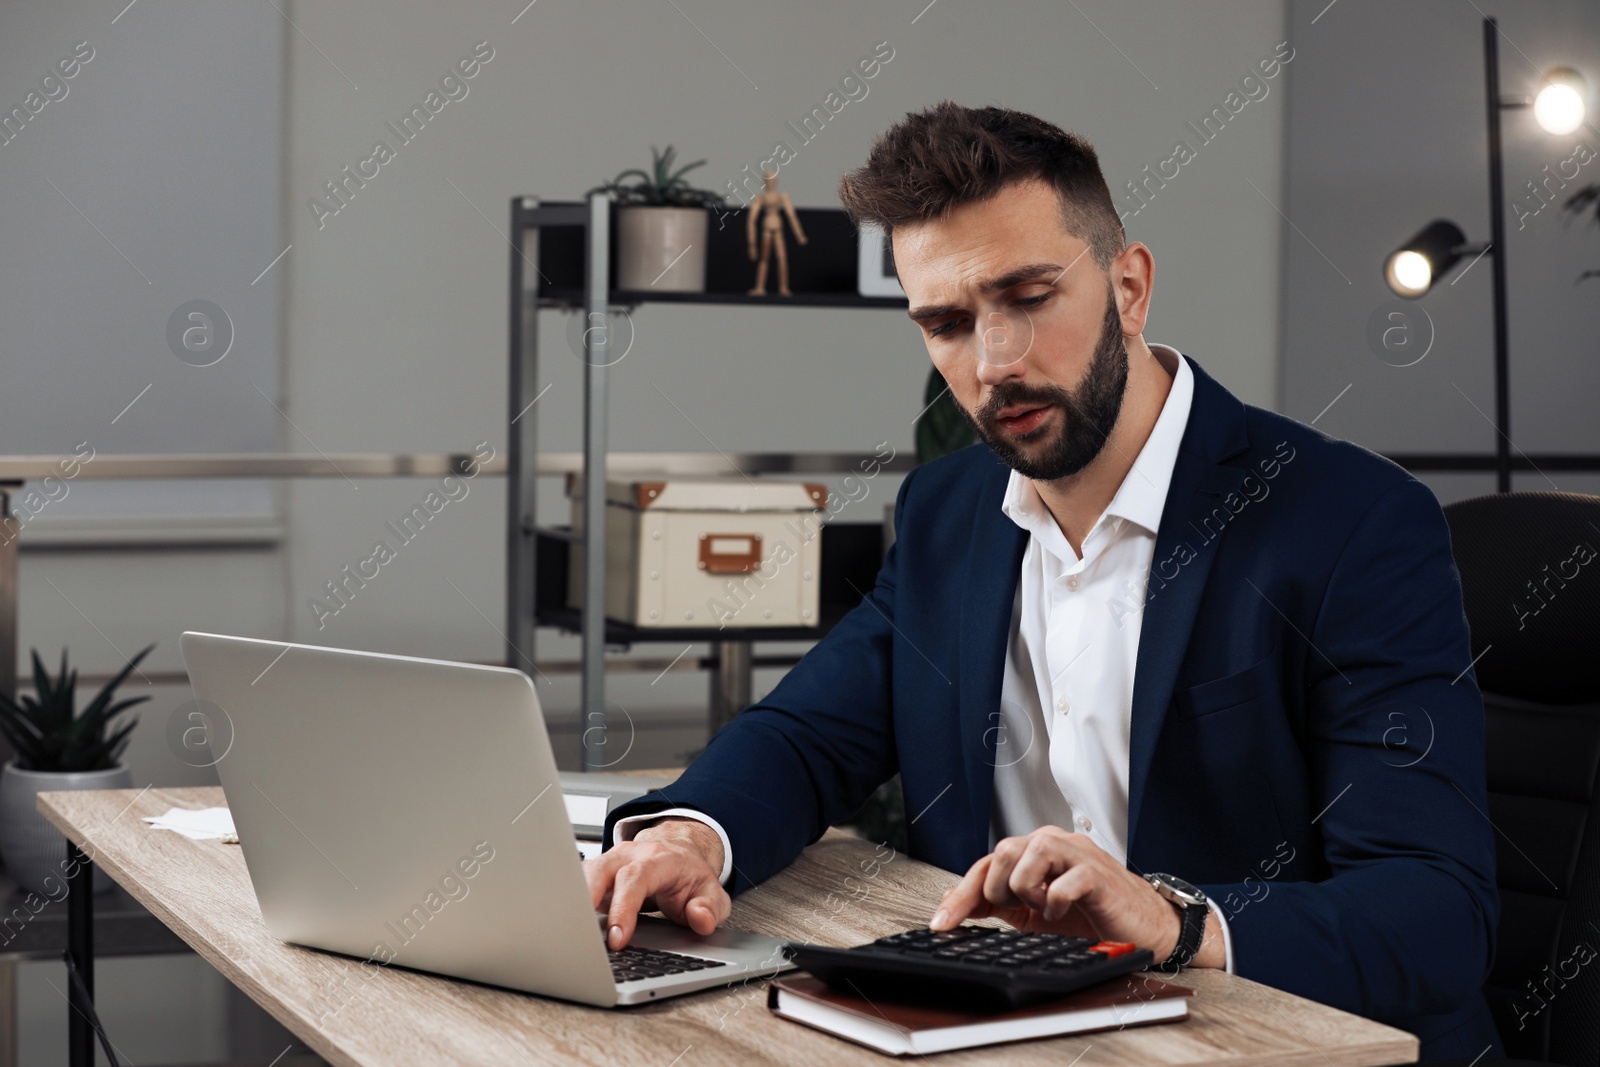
(997, 966)
(1112, 948)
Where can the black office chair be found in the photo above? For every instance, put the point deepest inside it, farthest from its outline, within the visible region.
(1530, 578)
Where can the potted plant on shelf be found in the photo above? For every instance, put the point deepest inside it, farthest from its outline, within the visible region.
(662, 226)
(57, 749)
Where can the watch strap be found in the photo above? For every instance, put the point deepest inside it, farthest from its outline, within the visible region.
(1189, 938)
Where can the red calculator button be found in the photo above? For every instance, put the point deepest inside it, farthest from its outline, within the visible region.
(1112, 948)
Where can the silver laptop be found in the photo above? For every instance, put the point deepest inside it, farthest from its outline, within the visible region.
(408, 812)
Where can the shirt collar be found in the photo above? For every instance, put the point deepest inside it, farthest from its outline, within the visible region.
(1143, 493)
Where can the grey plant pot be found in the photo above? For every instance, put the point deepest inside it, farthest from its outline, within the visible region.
(662, 248)
(35, 853)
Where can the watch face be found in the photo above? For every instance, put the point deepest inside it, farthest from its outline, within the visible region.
(1183, 890)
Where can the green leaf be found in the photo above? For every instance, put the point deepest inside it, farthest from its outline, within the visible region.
(105, 753)
(678, 177)
(1578, 201)
(52, 711)
(121, 705)
(661, 162)
(41, 677)
(46, 733)
(23, 738)
(943, 428)
(11, 708)
(661, 185)
(122, 675)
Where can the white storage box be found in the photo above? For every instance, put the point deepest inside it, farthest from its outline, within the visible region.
(725, 552)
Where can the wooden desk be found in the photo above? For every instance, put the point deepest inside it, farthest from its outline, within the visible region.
(398, 1017)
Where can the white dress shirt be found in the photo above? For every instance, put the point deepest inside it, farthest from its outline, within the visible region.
(1066, 698)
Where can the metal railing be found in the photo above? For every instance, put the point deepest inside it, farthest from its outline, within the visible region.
(730, 671)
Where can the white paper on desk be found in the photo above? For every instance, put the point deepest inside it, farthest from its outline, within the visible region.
(205, 824)
(586, 809)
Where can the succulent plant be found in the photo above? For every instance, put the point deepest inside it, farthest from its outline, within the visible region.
(662, 187)
(48, 736)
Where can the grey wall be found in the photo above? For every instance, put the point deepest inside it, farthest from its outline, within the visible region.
(387, 323)
(1387, 132)
(392, 320)
(396, 307)
(195, 138)
(151, 180)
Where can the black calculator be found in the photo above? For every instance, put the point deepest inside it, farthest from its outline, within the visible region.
(973, 966)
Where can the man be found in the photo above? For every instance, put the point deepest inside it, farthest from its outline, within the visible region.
(1142, 629)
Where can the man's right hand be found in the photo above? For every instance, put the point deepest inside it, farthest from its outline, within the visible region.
(670, 866)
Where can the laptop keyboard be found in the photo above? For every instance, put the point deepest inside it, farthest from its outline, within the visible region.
(633, 964)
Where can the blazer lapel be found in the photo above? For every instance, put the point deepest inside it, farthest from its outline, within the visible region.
(1215, 433)
(993, 567)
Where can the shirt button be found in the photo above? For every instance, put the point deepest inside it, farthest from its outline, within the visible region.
(1084, 824)
(1072, 582)
(1062, 706)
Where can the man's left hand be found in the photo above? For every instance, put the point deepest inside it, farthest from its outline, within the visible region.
(1053, 881)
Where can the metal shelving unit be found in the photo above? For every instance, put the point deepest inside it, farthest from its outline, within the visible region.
(561, 259)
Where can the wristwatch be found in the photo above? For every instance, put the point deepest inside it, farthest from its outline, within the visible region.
(1191, 905)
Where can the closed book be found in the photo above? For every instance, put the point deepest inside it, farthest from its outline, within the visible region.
(915, 1029)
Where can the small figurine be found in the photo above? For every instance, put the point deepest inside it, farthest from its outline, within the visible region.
(771, 206)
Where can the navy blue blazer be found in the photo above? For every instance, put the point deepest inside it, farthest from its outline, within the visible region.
(1307, 733)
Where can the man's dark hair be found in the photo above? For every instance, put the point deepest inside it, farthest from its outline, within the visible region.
(933, 160)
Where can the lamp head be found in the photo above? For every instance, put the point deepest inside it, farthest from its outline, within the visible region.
(1561, 102)
(1413, 268)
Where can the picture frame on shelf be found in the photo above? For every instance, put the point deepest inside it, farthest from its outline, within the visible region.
(875, 273)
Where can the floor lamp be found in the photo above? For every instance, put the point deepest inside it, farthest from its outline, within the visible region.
(1421, 262)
